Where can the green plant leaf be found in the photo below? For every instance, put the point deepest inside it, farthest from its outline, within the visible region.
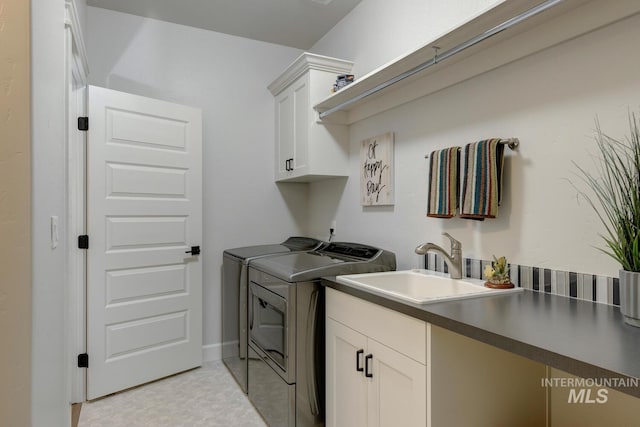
(615, 193)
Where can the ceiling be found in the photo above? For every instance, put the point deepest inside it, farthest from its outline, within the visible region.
(295, 23)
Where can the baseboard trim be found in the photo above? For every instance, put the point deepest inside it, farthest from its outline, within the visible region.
(211, 352)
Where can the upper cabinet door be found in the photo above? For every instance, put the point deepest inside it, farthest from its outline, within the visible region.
(284, 135)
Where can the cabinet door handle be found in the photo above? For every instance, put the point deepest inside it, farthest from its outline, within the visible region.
(286, 165)
(291, 164)
(367, 358)
(358, 366)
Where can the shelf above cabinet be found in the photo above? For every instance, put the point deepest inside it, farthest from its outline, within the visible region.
(562, 21)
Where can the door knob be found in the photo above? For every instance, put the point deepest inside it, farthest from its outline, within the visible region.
(195, 250)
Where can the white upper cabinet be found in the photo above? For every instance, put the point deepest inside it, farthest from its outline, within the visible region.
(305, 149)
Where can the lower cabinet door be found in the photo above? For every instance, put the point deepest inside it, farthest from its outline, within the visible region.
(346, 388)
(397, 388)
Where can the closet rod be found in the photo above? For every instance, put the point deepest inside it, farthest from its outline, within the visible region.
(437, 58)
(512, 143)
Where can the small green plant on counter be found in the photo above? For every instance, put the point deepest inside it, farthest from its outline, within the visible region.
(615, 194)
(498, 272)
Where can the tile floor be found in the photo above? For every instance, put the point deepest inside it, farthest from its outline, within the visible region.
(207, 396)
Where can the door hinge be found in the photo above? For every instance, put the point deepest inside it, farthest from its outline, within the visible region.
(83, 242)
(83, 123)
(83, 360)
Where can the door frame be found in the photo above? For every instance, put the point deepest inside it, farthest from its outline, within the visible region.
(75, 145)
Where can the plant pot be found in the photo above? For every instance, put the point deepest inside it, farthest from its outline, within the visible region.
(630, 297)
(491, 285)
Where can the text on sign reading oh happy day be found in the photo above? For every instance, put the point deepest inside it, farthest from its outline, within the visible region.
(376, 172)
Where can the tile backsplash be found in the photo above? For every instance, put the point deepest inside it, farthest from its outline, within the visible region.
(588, 287)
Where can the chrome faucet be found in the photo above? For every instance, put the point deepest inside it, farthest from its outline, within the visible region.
(454, 261)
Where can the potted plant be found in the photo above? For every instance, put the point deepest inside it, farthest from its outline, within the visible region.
(497, 274)
(615, 197)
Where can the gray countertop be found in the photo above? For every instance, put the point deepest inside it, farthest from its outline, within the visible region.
(583, 338)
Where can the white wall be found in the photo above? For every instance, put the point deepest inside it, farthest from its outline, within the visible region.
(50, 386)
(227, 77)
(548, 100)
(378, 31)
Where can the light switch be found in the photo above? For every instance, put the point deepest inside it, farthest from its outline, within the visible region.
(55, 235)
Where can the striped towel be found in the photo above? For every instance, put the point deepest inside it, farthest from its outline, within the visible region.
(443, 183)
(482, 179)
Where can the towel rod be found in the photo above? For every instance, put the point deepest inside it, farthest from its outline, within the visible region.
(447, 54)
(512, 143)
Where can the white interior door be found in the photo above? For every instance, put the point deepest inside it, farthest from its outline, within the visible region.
(144, 292)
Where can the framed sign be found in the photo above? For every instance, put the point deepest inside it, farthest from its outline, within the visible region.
(376, 173)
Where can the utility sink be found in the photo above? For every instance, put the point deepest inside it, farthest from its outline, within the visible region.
(421, 286)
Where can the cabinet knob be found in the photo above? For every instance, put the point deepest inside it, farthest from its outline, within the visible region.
(288, 164)
(367, 373)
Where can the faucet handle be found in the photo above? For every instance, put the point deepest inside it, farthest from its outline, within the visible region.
(456, 245)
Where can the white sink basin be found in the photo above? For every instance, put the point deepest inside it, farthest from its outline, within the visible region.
(421, 286)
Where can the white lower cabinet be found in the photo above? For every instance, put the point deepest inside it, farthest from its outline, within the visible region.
(369, 383)
(425, 375)
(421, 374)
